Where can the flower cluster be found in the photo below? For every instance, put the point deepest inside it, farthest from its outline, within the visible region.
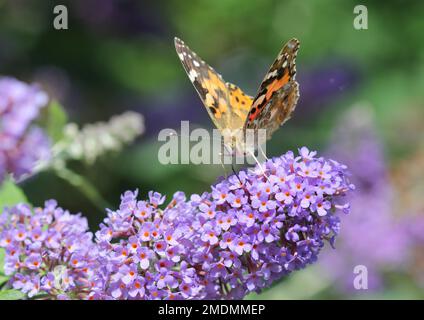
(373, 223)
(95, 139)
(21, 145)
(143, 251)
(250, 230)
(48, 251)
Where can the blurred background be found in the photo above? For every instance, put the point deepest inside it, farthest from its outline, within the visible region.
(361, 103)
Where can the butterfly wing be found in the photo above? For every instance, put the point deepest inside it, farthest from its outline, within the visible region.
(278, 93)
(226, 104)
(240, 105)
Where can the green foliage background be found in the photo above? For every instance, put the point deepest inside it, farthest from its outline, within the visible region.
(111, 60)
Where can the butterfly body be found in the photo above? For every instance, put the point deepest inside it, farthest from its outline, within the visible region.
(232, 111)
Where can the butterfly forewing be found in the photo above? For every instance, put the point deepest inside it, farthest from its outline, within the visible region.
(226, 104)
(278, 93)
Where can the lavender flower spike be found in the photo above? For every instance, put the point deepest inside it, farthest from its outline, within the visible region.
(21, 145)
(48, 251)
(247, 232)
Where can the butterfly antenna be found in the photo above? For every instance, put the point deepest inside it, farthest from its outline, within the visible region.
(234, 171)
(227, 149)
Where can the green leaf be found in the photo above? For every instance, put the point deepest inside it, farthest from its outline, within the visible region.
(11, 294)
(2, 253)
(10, 194)
(3, 279)
(55, 120)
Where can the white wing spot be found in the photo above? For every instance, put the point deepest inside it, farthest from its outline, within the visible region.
(196, 64)
(192, 75)
(271, 74)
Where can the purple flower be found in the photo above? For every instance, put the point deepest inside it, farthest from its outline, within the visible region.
(21, 144)
(48, 282)
(238, 238)
(33, 262)
(372, 235)
(50, 250)
(146, 231)
(242, 245)
(143, 257)
(137, 289)
(265, 234)
(156, 199)
(210, 234)
(237, 199)
(129, 273)
(227, 240)
(244, 234)
(20, 234)
(160, 247)
(209, 210)
(142, 210)
(263, 204)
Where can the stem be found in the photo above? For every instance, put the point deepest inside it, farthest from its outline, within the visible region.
(83, 185)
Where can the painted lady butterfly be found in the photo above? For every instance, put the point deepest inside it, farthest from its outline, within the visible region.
(231, 110)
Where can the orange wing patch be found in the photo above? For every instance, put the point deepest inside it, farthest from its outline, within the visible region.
(276, 85)
(238, 98)
(208, 84)
(215, 98)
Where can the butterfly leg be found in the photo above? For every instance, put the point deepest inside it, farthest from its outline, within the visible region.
(262, 152)
(259, 164)
(235, 173)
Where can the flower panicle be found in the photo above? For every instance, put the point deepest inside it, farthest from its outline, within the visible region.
(48, 250)
(95, 139)
(248, 231)
(22, 144)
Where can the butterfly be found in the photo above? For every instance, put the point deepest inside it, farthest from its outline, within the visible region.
(232, 111)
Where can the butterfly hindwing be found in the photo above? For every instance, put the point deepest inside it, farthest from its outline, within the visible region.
(278, 93)
(226, 104)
